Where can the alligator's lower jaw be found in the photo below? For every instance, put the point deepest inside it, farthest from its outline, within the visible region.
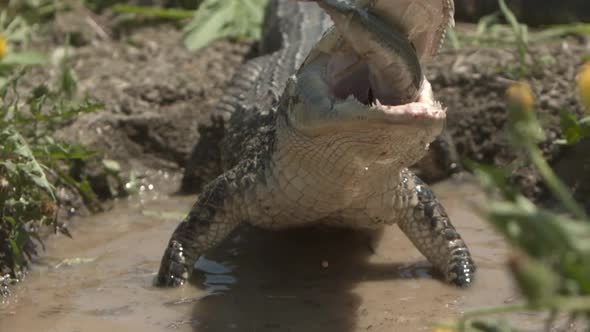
(424, 112)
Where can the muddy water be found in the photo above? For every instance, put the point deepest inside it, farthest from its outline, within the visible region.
(303, 280)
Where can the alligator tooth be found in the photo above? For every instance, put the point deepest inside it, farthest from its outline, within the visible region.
(376, 103)
(371, 96)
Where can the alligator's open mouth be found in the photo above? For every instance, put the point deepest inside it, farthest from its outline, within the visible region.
(348, 74)
(373, 58)
(366, 73)
(349, 81)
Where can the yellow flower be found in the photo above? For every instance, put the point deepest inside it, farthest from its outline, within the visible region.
(522, 121)
(520, 96)
(443, 329)
(2, 47)
(584, 86)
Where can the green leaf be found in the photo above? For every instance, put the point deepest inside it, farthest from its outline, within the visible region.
(10, 166)
(535, 279)
(239, 19)
(68, 81)
(15, 250)
(156, 12)
(10, 220)
(493, 178)
(558, 31)
(30, 166)
(570, 127)
(25, 58)
(111, 166)
(207, 26)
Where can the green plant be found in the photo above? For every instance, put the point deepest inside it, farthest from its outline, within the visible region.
(154, 12)
(36, 10)
(491, 32)
(551, 260)
(14, 36)
(520, 32)
(33, 163)
(574, 130)
(214, 19)
(222, 19)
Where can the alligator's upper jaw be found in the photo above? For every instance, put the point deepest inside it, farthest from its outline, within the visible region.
(424, 22)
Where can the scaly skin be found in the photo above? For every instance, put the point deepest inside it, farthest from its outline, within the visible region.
(335, 146)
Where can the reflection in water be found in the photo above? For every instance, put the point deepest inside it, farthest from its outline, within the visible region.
(302, 280)
(311, 279)
(217, 277)
(283, 285)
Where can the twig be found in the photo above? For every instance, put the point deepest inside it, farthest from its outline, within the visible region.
(97, 28)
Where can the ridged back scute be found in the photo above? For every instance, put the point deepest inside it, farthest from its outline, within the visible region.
(291, 29)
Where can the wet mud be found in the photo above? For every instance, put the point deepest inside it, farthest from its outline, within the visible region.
(329, 280)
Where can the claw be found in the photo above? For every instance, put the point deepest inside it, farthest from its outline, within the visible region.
(173, 270)
(461, 272)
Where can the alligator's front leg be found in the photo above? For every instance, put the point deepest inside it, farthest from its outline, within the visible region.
(427, 225)
(208, 223)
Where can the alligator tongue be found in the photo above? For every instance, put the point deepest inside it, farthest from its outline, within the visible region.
(395, 74)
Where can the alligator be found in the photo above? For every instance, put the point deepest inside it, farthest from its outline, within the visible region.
(320, 130)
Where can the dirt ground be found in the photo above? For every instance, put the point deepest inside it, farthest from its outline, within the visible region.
(471, 83)
(154, 91)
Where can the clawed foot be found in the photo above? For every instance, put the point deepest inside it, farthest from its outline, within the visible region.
(173, 270)
(461, 271)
